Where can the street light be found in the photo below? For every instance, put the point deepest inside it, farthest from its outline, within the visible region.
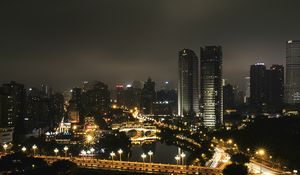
(34, 147)
(143, 157)
(177, 158)
(92, 150)
(260, 152)
(182, 155)
(56, 151)
(150, 153)
(83, 153)
(23, 149)
(120, 151)
(5, 146)
(66, 150)
(112, 154)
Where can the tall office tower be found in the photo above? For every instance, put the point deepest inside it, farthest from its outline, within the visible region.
(120, 92)
(14, 111)
(211, 90)
(148, 97)
(257, 86)
(274, 88)
(247, 90)
(292, 87)
(228, 96)
(57, 108)
(132, 97)
(96, 100)
(188, 83)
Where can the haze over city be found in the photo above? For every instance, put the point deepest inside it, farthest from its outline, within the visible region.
(132, 87)
(65, 42)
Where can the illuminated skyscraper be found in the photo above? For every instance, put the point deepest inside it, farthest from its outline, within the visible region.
(292, 87)
(247, 90)
(211, 90)
(188, 83)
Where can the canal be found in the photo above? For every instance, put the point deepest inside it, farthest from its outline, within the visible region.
(162, 152)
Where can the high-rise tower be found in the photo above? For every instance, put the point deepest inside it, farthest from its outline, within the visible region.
(292, 87)
(211, 86)
(188, 83)
(258, 86)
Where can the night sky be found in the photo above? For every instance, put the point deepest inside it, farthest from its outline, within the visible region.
(65, 42)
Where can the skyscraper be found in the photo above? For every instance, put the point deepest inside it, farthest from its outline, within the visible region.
(292, 87)
(258, 86)
(228, 96)
(247, 90)
(188, 83)
(13, 111)
(211, 96)
(148, 97)
(275, 80)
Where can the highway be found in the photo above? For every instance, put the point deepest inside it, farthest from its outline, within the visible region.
(219, 160)
(135, 166)
(258, 168)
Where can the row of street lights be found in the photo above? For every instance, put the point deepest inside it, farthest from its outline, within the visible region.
(34, 148)
(65, 150)
(180, 157)
(90, 151)
(143, 156)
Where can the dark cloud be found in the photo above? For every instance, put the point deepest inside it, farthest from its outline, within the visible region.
(65, 42)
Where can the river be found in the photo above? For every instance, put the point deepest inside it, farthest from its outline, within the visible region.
(162, 153)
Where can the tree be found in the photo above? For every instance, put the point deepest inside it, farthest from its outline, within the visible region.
(235, 169)
(240, 158)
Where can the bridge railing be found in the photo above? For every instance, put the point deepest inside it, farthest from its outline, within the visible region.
(136, 166)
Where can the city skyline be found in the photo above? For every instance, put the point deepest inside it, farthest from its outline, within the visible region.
(161, 87)
(64, 46)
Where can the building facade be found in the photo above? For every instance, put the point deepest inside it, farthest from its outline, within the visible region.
(258, 86)
(292, 85)
(211, 89)
(188, 83)
(274, 88)
(148, 97)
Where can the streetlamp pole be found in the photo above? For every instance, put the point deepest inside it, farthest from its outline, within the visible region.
(182, 155)
(120, 151)
(143, 157)
(66, 150)
(56, 151)
(177, 158)
(150, 153)
(261, 153)
(5, 146)
(112, 154)
(34, 147)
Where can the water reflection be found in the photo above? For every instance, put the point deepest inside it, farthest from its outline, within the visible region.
(163, 153)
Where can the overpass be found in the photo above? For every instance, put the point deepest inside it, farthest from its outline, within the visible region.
(135, 166)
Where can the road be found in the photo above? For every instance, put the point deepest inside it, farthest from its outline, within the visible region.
(258, 168)
(219, 160)
(135, 166)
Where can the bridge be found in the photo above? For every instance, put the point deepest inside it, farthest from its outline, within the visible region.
(129, 126)
(135, 166)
